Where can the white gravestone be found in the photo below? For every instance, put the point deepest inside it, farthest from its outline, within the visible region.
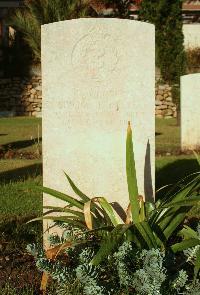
(97, 75)
(190, 112)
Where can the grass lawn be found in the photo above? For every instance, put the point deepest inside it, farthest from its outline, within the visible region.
(167, 135)
(21, 133)
(20, 165)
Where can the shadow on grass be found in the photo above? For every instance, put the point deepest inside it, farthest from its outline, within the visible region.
(21, 173)
(175, 171)
(20, 144)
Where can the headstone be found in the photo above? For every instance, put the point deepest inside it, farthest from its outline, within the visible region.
(190, 112)
(97, 75)
(191, 34)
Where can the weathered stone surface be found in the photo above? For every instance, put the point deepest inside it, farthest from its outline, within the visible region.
(94, 82)
(168, 112)
(191, 35)
(169, 103)
(19, 93)
(161, 87)
(25, 91)
(168, 98)
(159, 97)
(164, 96)
(39, 88)
(158, 112)
(190, 112)
(158, 103)
(160, 92)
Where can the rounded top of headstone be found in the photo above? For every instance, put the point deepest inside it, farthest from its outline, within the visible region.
(99, 21)
(191, 76)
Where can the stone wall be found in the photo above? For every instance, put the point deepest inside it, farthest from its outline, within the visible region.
(23, 97)
(164, 107)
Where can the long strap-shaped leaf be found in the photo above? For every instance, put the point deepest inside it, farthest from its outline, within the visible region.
(182, 186)
(131, 177)
(197, 264)
(83, 196)
(164, 217)
(109, 210)
(189, 243)
(184, 203)
(66, 210)
(110, 243)
(197, 157)
(88, 214)
(175, 221)
(61, 196)
(68, 219)
(109, 213)
(146, 233)
(77, 191)
(187, 232)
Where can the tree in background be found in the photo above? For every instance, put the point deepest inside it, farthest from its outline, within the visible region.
(170, 54)
(120, 7)
(28, 20)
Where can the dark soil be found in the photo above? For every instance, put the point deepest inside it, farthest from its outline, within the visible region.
(17, 267)
(14, 154)
(19, 270)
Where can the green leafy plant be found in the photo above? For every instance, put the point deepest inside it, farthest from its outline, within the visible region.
(167, 18)
(147, 225)
(126, 271)
(28, 21)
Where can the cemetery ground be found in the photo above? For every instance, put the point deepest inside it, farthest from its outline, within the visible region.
(21, 165)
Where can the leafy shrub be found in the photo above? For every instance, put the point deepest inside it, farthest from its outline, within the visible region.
(148, 225)
(38, 12)
(126, 271)
(167, 18)
(122, 254)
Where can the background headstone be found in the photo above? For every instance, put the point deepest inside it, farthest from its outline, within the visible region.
(98, 74)
(190, 112)
(191, 34)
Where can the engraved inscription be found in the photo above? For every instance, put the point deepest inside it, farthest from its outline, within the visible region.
(95, 56)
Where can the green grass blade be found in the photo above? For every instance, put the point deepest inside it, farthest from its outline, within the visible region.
(131, 177)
